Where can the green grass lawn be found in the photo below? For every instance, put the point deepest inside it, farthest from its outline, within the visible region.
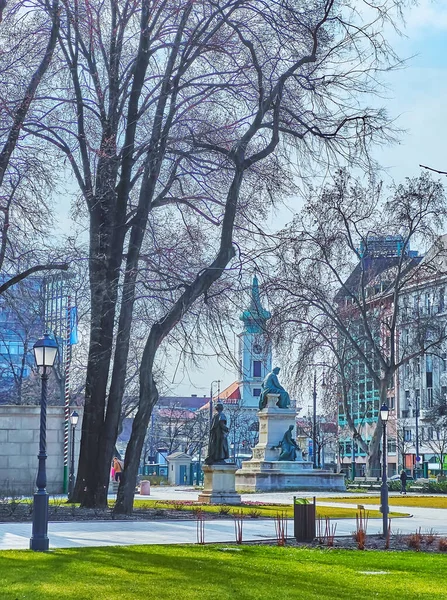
(220, 573)
(421, 501)
(261, 511)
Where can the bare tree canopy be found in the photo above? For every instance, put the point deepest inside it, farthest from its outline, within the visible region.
(28, 37)
(181, 123)
(346, 270)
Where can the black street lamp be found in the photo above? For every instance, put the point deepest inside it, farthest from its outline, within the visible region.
(45, 351)
(74, 421)
(314, 423)
(384, 414)
(418, 458)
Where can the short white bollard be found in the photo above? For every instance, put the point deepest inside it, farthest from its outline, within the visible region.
(145, 488)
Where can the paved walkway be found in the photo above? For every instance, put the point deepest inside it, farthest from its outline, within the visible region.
(115, 533)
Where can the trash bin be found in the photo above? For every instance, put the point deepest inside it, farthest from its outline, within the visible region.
(304, 514)
(145, 488)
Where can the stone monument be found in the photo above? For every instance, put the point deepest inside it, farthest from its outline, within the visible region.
(277, 462)
(219, 480)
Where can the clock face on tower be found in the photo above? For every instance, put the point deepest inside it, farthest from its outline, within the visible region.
(257, 348)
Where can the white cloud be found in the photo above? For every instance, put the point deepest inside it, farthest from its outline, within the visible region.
(426, 14)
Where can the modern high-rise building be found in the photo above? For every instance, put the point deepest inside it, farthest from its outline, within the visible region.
(33, 306)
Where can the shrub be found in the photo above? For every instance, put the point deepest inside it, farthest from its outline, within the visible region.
(442, 545)
(435, 487)
(430, 537)
(414, 540)
(224, 510)
(254, 514)
(154, 479)
(394, 486)
(361, 519)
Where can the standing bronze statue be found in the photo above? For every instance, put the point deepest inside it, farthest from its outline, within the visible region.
(271, 385)
(289, 447)
(218, 450)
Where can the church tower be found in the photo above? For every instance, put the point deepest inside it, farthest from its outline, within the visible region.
(255, 352)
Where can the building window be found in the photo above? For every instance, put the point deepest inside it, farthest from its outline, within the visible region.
(391, 402)
(441, 299)
(429, 433)
(407, 398)
(406, 336)
(444, 362)
(430, 397)
(257, 368)
(256, 392)
(444, 392)
(407, 435)
(407, 371)
(417, 366)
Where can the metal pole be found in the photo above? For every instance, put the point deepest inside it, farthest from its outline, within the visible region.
(417, 439)
(67, 357)
(72, 461)
(314, 426)
(199, 465)
(39, 539)
(211, 397)
(384, 488)
(353, 460)
(211, 402)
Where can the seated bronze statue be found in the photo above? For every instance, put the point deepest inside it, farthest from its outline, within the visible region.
(271, 385)
(288, 446)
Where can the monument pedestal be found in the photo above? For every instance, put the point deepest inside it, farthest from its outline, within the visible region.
(219, 484)
(265, 473)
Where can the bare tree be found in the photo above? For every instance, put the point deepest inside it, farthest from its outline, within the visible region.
(339, 281)
(28, 36)
(400, 432)
(273, 113)
(178, 121)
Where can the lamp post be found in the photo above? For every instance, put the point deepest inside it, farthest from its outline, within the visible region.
(74, 421)
(45, 351)
(416, 474)
(384, 413)
(353, 458)
(314, 423)
(211, 398)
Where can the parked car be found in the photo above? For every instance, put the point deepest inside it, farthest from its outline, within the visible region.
(397, 478)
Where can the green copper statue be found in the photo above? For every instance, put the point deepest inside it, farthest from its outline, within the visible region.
(288, 446)
(271, 385)
(218, 450)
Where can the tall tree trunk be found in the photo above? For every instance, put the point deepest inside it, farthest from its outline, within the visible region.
(147, 396)
(92, 479)
(104, 418)
(373, 463)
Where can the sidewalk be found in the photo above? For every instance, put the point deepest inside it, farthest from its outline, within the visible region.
(127, 533)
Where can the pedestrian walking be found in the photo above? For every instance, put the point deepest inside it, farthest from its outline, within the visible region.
(118, 466)
(403, 482)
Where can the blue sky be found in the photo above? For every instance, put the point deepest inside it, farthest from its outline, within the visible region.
(419, 92)
(417, 98)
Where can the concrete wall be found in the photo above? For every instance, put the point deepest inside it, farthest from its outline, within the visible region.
(19, 446)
